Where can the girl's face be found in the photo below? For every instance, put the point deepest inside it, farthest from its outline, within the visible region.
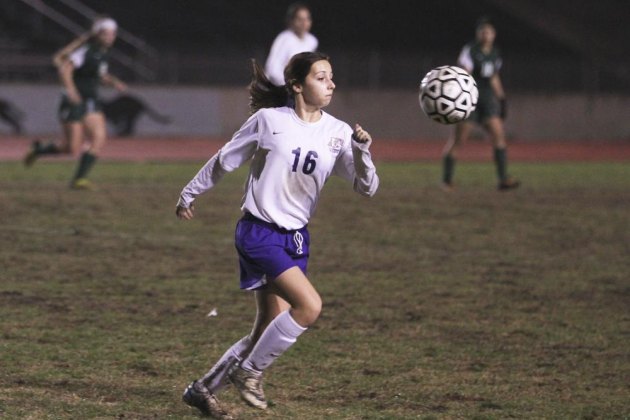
(302, 22)
(486, 34)
(106, 37)
(318, 87)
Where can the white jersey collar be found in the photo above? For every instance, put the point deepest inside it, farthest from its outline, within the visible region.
(306, 123)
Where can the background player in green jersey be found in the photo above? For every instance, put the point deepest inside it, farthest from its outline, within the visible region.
(82, 67)
(482, 60)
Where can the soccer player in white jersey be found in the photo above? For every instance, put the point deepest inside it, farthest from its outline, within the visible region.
(292, 150)
(295, 39)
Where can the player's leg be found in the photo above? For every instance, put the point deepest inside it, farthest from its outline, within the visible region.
(96, 130)
(458, 138)
(202, 393)
(70, 144)
(282, 332)
(70, 116)
(495, 128)
(291, 297)
(72, 139)
(268, 306)
(94, 123)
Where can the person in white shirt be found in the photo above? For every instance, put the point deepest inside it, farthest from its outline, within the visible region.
(295, 39)
(292, 151)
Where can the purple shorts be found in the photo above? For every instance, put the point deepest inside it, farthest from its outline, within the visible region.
(266, 250)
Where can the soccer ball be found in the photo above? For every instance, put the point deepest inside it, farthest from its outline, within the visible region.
(448, 94)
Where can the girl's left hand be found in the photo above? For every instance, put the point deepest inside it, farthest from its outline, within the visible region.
(360, 135)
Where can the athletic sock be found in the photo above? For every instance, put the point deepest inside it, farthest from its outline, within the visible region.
(500, 159)
(449, 167)
(49, 148)
(279, 335)
(85, 164)
(216, 378)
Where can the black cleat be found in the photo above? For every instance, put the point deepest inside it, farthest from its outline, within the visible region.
(447, 187)
(32, 154)
(509, 184)
(197, 396)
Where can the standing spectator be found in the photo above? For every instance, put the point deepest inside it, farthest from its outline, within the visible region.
(295, 39)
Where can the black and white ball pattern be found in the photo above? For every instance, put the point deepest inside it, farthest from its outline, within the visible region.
(448, 94)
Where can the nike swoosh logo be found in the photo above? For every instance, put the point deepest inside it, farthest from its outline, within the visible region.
(276, 132)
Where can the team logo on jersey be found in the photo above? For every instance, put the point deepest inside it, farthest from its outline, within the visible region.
(335, 144)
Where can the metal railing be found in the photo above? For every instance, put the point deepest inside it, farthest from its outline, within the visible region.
(126, 36)
(142, 66)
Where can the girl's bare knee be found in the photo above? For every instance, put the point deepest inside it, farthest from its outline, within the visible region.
(308, 313)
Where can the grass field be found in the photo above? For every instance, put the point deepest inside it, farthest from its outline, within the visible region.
(476, 304)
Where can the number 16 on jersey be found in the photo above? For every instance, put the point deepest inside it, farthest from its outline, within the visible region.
(309, 161)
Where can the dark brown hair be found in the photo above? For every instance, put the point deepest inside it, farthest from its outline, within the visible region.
(264, 94)
(483, 21)
(293, 10)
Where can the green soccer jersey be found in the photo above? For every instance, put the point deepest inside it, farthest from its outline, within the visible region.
(482, 66)
(90, 64)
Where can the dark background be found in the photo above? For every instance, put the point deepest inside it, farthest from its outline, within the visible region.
(397, 25)
(560, 45)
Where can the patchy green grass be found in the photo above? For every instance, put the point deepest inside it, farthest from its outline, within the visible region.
(476, 304)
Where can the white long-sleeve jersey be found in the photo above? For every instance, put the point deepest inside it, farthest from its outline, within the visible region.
(285, 46)
(290, 162)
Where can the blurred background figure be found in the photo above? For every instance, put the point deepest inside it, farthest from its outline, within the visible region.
(293, 40)
(576, 58)
(482, 60)
(123, 112)
(82, 67)
(11, 115)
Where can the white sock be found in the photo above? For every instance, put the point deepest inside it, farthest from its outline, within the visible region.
(216, 378)
(279, 335)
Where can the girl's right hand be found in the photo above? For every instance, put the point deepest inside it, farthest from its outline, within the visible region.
(185, 213)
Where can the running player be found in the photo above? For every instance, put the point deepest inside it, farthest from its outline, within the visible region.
(481, 59)
(293, 150)
(295, 39)
(82, 67)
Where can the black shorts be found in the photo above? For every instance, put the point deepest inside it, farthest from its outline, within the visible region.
(488, 106)
(69, 112)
